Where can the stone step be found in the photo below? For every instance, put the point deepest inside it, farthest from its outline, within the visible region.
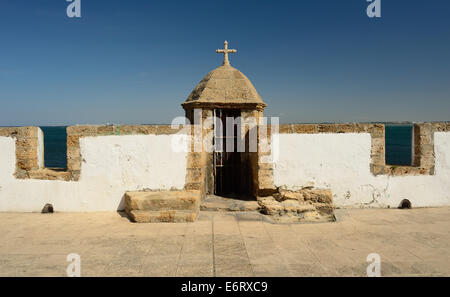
(162, 200)
(293, 210)
(164, 216)
(216, 203)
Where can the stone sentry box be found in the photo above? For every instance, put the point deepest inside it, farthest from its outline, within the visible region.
(226, 90)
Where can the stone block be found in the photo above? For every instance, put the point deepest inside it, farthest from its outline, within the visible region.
(295, 211)
(361, 128)
(326, 128)
(29, 132)
(345, 128)
(196, 160)
(9, 132)
(166, 216)
(49, 174)
(288, 195)
(82, 130)
(105, 130)
(377, 169)
(194, 186)
(376, 130)
(162, 200)
(305, 129)
(296, 206)
(73, 141)
(427, 150)
(308, 194)
(424, 139)
(270, 206)
(378, 159)
(285, 129)
(265, 166)
(318, 195)
(194, 175)
(378, 142)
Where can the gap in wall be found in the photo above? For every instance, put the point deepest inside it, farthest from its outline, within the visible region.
(399, 144)
(55, 147)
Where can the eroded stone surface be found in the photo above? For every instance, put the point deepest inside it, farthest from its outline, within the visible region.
(306, 194)
(163, 216)
(27, 152)
(162, 200)
(216, 203)
(308, 205)
(225, 85)
(162, 206)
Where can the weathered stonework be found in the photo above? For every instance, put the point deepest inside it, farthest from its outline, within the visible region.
(224, 87)
(199, 174)
(423, 147)
(164, 216)
(162, 206)
(264, 185)
(27, 148)
(305, 205)
(423, 163)
(306, 194)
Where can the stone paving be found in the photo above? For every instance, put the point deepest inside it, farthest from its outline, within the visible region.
(409, 242)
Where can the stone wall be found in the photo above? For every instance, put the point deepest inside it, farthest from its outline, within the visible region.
(103, 163)
(423, 144)
(106, 161)
(349, 159)
(28, 156)
(29, 147)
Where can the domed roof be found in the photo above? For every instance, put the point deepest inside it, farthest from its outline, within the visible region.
(225, 87)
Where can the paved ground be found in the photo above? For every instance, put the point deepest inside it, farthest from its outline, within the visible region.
(410, 242)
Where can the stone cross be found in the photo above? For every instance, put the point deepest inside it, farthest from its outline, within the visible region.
(225, 51)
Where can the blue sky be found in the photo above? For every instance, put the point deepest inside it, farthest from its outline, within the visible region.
(136, 61)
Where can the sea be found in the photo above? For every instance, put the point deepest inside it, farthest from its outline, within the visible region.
(398, 145)
(55, 147)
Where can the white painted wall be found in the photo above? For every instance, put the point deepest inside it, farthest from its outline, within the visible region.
(111, 166)
(341, 162)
